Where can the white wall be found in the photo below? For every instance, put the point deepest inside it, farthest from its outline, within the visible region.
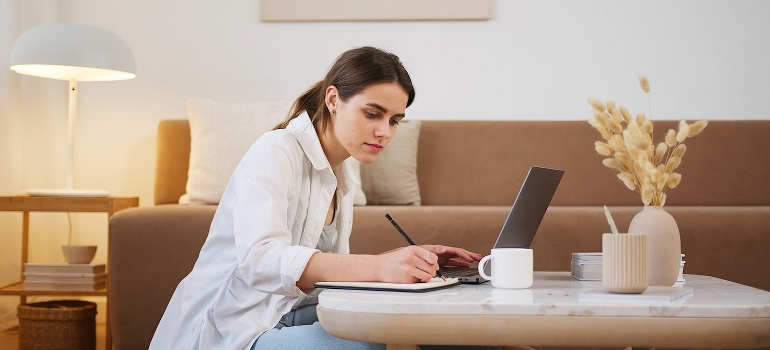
(536, 59)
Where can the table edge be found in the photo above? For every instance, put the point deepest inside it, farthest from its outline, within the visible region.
(540, 330)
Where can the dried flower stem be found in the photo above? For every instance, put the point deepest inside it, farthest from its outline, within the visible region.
(645, 84)
(643, 167)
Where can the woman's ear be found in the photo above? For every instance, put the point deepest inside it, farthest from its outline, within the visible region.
(331, 98)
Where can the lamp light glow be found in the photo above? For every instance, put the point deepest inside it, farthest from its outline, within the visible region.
(69, 72)
(72, 52)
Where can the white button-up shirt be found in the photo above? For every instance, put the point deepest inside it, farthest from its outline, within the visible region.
(264, 231)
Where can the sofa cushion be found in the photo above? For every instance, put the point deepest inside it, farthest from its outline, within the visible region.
(392, 178)
(221, 133)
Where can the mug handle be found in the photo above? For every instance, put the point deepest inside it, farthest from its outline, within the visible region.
(481, 267)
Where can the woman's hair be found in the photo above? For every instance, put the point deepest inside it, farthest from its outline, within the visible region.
(352, 72)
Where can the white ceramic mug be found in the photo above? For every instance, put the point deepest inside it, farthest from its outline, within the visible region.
(511, 267)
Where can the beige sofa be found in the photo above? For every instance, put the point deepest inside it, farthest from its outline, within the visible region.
(469, 172)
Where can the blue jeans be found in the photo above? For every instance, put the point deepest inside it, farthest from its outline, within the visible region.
(299, 329)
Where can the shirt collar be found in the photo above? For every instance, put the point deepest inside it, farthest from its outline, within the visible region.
(304, 131)
(302, 128)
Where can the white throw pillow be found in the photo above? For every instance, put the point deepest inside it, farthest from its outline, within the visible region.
(392, 178)
(221, 133)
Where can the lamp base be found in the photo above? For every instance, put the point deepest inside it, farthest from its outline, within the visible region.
(37, 192)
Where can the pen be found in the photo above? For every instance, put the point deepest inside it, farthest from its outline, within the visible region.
(438, 273)
(613, 228)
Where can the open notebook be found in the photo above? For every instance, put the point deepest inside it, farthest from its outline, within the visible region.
(434, 284)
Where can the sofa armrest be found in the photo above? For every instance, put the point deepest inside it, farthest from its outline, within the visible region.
(172, 160)
(151, 249)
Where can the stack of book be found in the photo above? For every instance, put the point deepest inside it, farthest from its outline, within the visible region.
(588, 267)
(83, 277)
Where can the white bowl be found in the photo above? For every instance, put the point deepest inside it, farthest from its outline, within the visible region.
(78, 254)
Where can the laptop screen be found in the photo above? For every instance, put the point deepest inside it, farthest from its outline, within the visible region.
(529, 208)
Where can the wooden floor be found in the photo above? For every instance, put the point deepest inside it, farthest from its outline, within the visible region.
(9, 340)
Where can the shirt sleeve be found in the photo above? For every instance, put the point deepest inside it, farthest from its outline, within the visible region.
(261, 190)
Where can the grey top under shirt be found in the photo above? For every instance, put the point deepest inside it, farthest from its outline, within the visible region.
(328, 237)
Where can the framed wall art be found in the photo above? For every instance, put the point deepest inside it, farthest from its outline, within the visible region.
(374, 10)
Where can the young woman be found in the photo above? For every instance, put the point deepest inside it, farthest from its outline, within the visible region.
(285, 218)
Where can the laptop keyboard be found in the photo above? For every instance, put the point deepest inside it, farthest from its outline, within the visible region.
(460, 272)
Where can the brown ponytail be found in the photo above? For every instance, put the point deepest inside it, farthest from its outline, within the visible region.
(352, 72)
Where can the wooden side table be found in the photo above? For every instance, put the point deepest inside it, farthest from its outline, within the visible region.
(27, 204)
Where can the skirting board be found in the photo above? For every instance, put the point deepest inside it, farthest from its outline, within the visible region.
(374, 10)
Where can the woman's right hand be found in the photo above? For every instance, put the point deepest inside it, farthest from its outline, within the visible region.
(409, 264)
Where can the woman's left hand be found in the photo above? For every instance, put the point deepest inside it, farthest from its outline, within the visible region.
(452, 256)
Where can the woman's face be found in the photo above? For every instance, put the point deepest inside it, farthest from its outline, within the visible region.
(363, 125)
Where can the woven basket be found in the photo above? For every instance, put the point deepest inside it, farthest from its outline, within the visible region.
(57, 325)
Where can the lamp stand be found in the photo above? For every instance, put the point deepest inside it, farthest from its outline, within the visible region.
(68, 190)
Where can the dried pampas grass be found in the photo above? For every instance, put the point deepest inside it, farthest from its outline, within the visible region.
(644, 84)
(628, 146)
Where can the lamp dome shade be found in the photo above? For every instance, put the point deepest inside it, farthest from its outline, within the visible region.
(72, 51)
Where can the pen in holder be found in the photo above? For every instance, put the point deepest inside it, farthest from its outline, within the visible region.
(613, 228)
(624, 262)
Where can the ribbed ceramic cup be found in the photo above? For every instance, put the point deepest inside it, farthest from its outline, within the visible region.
(624, 262)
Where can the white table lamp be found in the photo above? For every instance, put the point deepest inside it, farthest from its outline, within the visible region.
(74, 53)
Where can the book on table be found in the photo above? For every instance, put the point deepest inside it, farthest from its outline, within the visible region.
(80, 277)
(64, 268)
(64, 277)
(434, 284)
(65, 286)
(587, 271)
(588, 267)
(585, 257)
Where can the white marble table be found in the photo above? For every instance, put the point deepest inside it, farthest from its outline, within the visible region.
(718, 314)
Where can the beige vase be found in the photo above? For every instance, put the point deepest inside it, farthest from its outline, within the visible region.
(664, 245)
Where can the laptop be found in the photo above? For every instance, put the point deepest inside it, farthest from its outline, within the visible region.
(523, 220)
